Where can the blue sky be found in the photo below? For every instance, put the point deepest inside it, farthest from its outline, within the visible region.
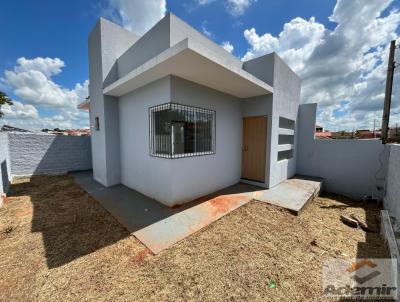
(59, 29)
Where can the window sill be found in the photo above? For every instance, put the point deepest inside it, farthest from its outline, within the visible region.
(174, 156)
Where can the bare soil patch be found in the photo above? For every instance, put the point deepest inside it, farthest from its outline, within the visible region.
(58, 244)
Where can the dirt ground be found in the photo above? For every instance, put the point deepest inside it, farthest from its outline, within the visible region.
(59, 244)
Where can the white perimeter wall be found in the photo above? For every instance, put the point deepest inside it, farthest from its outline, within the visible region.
(41, 154)
(392, 197)
(349, 167)
(25, 154)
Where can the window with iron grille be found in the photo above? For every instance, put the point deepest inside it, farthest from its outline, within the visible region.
(181, 131)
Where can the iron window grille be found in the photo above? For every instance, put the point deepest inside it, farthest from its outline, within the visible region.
(178, 131)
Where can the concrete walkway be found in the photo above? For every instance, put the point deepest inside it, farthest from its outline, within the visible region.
(159, 227)
(156, 225)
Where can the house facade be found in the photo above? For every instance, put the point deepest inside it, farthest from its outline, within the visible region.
(175, 117)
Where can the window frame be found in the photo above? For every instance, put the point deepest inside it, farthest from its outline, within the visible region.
(193, 110)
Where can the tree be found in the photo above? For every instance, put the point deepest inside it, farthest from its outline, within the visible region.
(4, 99)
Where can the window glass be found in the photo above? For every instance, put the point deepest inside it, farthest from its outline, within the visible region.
(180, 131)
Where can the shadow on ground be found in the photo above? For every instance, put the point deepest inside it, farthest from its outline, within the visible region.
(71, 222)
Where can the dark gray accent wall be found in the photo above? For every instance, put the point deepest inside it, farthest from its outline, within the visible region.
(5, 175)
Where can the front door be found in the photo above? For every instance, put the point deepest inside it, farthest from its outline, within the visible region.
(254, 148)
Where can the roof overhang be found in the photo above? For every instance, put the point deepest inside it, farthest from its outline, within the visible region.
(191, 61)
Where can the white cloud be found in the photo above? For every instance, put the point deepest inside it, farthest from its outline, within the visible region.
(28, 117)
(205, 29)
(342, 69)
(235, 8)
(238, 7)
(19, 111)
(137, 16)
(204, 2)
(295, 43)
(47, 66)
(31, 81)
(227, 46)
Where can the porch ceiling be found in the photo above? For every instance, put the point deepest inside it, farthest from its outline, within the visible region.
(193, 62)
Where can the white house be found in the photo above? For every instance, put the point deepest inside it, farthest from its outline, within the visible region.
(175, 116)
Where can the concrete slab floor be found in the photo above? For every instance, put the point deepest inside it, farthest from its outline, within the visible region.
(159, 227)
(156, 225)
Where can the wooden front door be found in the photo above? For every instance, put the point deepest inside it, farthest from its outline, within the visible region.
(254, 148)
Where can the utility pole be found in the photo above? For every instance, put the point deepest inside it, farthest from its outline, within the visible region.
(388, 93)
(374, 128)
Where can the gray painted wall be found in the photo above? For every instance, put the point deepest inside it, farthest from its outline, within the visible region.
(260, 106)
(120, 147)
(174, 181)
(349, 167)
(152, 43)
(38, 154)
(180, 31)
(286, 98)
(166, 33)
(392, 196)
(106, 42)
(5, 174)
(193, 177)
(149, 175)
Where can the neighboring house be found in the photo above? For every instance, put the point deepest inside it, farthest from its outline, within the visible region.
(7, 128)
(323, 135)
(85, 105)
(175, 116)
(394, 132)
(367, 134)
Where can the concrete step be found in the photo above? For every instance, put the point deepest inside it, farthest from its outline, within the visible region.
(292, 194)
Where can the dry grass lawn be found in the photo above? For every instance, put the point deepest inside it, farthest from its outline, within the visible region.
(59, 244)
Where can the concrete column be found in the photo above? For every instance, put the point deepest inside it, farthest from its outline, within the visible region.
(107, 42)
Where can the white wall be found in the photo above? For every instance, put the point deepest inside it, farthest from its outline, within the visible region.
(41, 154)
(25, 154)
(392, 197)
(193, 177)
(349, 167)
